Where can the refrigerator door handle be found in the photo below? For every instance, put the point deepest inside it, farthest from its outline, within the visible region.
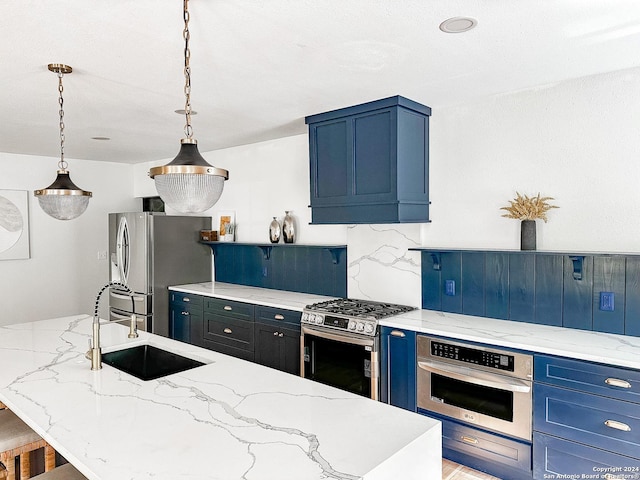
(122, 249)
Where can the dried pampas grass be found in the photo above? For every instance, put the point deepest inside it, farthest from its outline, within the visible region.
(524, 207)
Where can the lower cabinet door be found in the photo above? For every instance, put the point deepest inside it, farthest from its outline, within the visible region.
(278, 347)
(185, 324)
(558, 458)
(398, 368)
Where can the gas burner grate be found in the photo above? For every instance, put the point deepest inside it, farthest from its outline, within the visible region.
(359, 308)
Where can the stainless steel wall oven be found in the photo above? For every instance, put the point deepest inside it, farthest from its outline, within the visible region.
(487, 388)
(340, 343)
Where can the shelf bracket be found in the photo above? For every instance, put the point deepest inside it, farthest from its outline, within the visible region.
(577, 266)
(335, 254)
(436, 261)
(266, 251)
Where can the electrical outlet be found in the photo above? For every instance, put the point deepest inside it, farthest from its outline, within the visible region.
(102, 255)
(450, 288)
(607, 301)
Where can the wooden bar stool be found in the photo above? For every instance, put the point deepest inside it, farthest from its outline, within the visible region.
(64, 472)
(18, 440)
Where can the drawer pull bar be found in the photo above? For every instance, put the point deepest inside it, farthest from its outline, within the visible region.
(228, 330)
(471, 440)
(617, 425)
(228, 308)
(398, 333)
(277, 316)
(281, 335)
(184, 313)
(275, 334)
(616, 382)
(186, 299)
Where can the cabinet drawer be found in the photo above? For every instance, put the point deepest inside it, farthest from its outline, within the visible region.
(278, 316)
(229, 331)
(186, 298)
(615, 382)
(553, 457)
(228, 307)
(602, 422)
(229, 350)
(494, 454)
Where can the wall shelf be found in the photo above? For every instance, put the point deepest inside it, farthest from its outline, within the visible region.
(335, 250)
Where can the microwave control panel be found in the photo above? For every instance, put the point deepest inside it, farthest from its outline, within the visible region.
(485, 358)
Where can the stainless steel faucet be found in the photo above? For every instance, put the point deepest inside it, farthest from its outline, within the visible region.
(95, 351)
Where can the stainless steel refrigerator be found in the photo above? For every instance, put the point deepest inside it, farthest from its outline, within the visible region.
(149, 251)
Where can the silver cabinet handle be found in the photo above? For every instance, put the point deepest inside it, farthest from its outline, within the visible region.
(275, 334)
(228, 330)
(471, 440)
(616, 382)
(186, 299)
(277, 316)
(281, 335)
(397, 333)
(228, 308)
(617, 425)
(185, 313)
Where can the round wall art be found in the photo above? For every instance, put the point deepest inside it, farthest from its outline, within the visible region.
(14, 237)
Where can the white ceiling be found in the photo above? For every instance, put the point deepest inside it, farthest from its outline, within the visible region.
(260, 66)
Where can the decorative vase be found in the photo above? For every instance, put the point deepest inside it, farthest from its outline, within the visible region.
(288, 228)
(274, 231)
(528, 235)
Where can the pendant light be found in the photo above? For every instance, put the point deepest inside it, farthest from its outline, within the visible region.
(188, 183)
(62, 200)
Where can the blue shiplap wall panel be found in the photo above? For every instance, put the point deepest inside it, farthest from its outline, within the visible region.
(609, 276)
(549, 288)
(522, 270)
(496, 285)
(300, 268)
(548, 285)
(577, 308)
(632, 296)
(451, 271)
(472, 290)
(431, 288)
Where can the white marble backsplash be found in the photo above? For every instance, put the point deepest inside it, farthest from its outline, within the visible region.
(380, 266)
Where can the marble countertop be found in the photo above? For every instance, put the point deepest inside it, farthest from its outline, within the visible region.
(259, 296)
(228, 419)
(612, 349)
(620, 350)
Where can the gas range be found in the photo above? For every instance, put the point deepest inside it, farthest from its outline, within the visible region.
(351, 315)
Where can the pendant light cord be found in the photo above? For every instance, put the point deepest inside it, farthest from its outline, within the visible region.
(188, 129)
(62, 164)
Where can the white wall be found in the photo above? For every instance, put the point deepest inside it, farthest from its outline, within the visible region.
(63, 274)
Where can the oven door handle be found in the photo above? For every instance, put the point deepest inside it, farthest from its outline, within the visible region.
(339, 337)
(466, 375)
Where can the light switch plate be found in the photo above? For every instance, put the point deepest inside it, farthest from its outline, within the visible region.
(450, 288)
(607, 301)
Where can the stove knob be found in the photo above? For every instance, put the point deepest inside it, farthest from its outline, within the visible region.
(352, 325)
(360, 327)
(319, 319)
(305, 317)
(368, 328)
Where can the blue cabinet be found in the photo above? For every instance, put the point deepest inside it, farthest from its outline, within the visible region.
(185, 317)
(277, 339)
(370, 163)
(586, 419)
(398, 368)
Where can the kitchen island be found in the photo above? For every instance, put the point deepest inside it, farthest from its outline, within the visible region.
(228, 419)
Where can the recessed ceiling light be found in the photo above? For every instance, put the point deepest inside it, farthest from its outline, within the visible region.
(458, 24)
(100, 138)
(182, 112)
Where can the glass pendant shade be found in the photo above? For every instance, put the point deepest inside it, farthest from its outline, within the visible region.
(63, 200)
(188, 184)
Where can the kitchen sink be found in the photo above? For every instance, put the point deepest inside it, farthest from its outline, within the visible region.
(148, 362)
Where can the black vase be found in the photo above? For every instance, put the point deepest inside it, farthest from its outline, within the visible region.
(528, 235)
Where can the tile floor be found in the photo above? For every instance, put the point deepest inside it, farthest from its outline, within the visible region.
(455, 471)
